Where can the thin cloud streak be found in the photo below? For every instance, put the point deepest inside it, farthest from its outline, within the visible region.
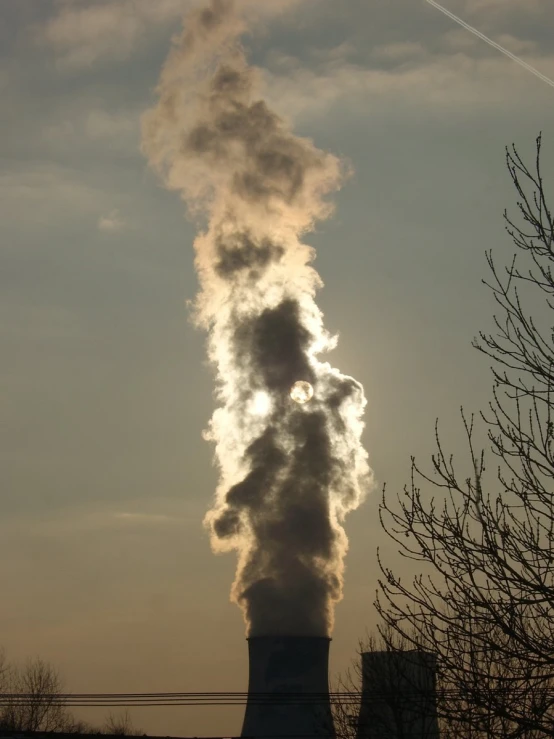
(72, 522)
(111, 223)
(492, 43)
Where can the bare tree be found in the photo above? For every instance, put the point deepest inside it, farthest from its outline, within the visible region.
(121, 725)
(32, 698)
(484, 599)
(78, 726)
(3, 670)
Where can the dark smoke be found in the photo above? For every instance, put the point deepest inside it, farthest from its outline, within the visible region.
(290, 472)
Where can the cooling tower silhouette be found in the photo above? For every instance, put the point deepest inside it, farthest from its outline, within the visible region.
(398, 696)
(288, 688)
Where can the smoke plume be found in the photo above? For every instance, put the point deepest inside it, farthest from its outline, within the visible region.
(289, 471)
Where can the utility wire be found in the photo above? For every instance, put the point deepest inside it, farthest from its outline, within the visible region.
(121, 700)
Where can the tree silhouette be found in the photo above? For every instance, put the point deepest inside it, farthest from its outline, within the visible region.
(484, 599)
(42, 709)
(121, 725)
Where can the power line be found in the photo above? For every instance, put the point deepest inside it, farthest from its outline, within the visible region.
(166, 699)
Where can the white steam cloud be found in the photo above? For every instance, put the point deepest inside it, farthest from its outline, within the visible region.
(289, 471)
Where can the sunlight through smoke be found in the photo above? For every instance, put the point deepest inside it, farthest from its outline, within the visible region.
(261, 404)
(289, 471)
(301, 392)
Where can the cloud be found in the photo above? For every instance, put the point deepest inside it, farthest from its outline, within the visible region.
(82, 35)
(72, 522)
(111, 223)
(101, 124)
(45, 194)
(144, 519)
(459, 39)
(399, 51)
(529, 7)
(78, 129)
(517, 45)
(453, 76)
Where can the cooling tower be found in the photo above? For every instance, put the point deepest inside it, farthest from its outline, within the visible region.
(398, 696)
(288, 688)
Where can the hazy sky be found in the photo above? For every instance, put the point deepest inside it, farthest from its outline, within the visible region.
(105, 568)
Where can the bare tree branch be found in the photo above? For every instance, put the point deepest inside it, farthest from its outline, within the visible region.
(484, 601)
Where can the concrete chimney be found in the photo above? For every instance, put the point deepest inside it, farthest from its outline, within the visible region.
(398, 696)
(288, 688)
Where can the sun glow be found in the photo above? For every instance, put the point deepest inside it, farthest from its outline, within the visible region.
(301, 392)
(286, 424)
(261, 404)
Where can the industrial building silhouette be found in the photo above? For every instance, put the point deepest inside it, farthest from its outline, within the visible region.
(288, 695)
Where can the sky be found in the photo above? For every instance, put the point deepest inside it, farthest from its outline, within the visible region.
(105, 478)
